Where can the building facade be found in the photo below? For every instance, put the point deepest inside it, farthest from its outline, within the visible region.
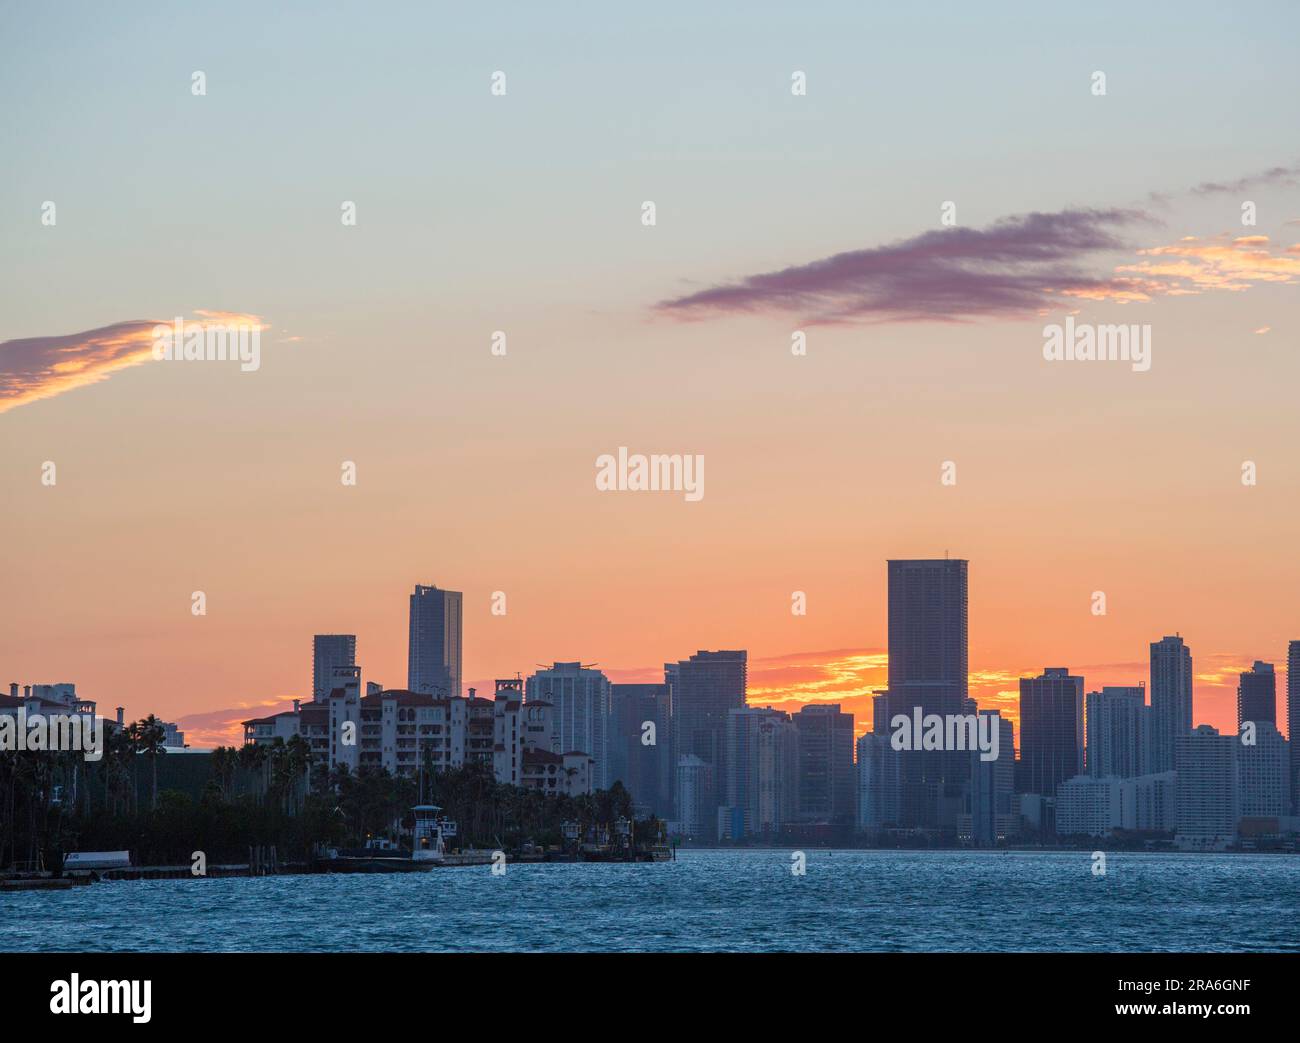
(433, 662)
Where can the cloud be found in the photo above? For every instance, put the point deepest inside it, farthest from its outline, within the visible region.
(1223, 262)
(34, 368)
(1274, 176)
(1017, 266)
(225, 727)
(41, 367)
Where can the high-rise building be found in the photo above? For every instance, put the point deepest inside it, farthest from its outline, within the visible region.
(639, 752)
(878, 782)
(1051, 730)
(580, 697)
(827, 783)
(1208, 798)
(993, 811)
(1257, 695)
(327, 652)
(1119, 732)
(1293, 717)
(1171, 699)
(704, 689)
(762, 773)
(434, 648)
(1263, 770)
(697, 807)
(928, 669)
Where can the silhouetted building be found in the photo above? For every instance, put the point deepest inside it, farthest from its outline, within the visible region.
(643, 766)
(994, 811)
(327, 652)
(704, 689)
(827, 784)
(1171, 699)
(1293, 717)
(928, 669)
(1119, 732)
(1257, 695)
(878, 782)
(434, 647)
(1051, 730)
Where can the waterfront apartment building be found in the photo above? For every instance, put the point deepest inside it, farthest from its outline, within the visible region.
(1171, 699)
(1118, 732)
(1088, 805)
(580, 697)
(433, 665)
(1051, 730)
(1101, 805)
(1208, 797)
(703, 690)
(762, 774)
(1263, 773)
(329, 651)
(1149, 803)
(406, 733)
(1257, 695)
(928, 638)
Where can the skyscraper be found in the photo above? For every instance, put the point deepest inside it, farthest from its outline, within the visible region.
(827, 783)
(878, 782)
(1171, 699)
(327, 652)
(1257, 695)
(703, 690)
(580, 697)
(928, 669)
(1051, 730)
(762, 773)
(433, 650)
(1293, 717)
(992, 788)
(1209, 800)
(643, 767)
(1119, 727)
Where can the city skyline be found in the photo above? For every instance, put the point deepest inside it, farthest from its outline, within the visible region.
(849, 677)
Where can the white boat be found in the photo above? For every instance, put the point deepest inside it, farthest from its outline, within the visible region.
(429, 839)
(97, 860)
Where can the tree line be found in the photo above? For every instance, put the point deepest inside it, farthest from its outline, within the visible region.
(52, 803)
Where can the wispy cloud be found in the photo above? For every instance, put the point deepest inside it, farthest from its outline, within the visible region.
(1015, 267)
(34, 368)
(1273, 177)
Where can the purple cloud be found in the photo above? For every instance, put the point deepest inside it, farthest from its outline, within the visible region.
(1016, 266)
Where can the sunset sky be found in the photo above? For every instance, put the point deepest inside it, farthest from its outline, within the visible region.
(523, 213)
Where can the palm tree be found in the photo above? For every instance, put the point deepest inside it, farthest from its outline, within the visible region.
(148, 735)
